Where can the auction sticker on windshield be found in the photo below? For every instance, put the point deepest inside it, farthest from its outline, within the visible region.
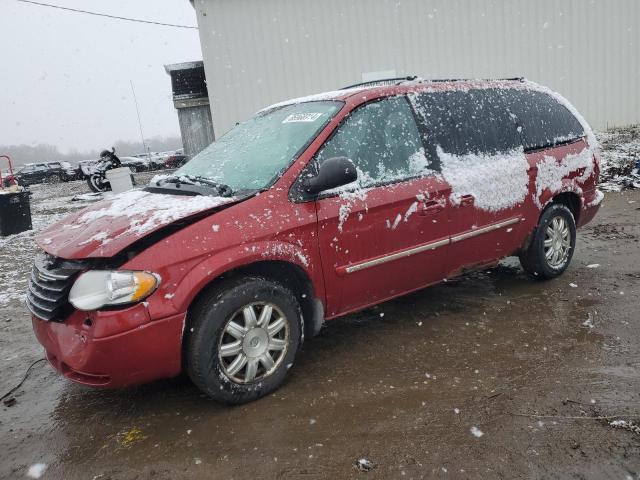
(302, 117)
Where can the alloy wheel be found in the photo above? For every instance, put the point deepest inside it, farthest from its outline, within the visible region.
(254, 342)
(557, 242)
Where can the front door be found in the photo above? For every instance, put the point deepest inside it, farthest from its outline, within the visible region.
(387, 233)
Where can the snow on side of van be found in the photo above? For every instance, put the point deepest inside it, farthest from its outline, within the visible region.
(147, 211)
(551, 172)
(497, 182)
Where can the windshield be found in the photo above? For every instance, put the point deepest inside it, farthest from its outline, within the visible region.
(252, 154)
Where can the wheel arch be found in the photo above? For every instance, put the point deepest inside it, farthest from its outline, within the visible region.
(290, 275)
(569, 199)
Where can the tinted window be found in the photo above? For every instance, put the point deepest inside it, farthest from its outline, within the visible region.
(475, 121)
(383, 141)
(544, 122)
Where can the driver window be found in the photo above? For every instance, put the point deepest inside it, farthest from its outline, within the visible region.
(382, 140)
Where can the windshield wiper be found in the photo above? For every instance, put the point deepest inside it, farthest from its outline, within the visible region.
(198, 181)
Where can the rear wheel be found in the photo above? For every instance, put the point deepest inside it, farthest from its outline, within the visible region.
(242, 339)
(551, 248)
(53, 179)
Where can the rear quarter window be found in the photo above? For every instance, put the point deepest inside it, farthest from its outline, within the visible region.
(466, 122)
(543, 121)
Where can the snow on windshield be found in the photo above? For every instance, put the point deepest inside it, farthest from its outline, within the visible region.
(254, 153)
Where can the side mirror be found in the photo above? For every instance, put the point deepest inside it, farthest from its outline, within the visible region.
(334, 172)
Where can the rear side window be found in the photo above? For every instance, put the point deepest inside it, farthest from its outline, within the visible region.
(382, 140)
(471, 122)
(543, 121)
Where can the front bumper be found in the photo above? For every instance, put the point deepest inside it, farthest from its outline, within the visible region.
(149, 351)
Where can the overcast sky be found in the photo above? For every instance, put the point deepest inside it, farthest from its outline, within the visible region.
(65, 76)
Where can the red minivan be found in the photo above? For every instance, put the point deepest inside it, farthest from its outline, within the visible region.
(312, 209)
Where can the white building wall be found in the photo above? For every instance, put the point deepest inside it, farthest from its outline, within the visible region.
(258, 52)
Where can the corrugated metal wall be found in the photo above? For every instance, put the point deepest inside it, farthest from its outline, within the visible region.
(258, 52)
(195, 128)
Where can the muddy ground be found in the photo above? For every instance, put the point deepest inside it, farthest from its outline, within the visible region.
(529, 365)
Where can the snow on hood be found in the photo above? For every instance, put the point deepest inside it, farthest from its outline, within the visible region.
(104, 229)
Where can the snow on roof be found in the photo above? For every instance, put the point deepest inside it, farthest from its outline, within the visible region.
(344, 93)
(317, 97)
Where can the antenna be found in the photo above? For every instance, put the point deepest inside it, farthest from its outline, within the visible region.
(144, 145)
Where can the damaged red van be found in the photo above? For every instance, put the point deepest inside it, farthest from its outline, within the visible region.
(312, 209)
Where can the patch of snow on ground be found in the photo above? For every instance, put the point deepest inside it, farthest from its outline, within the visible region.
(36, 470)
(625, 425)
(620, 154)
(497, 182)
(476, 432)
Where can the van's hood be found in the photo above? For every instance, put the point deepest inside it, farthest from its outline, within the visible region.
(109, 226)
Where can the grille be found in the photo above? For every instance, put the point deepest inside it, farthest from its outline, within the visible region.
(51, 280)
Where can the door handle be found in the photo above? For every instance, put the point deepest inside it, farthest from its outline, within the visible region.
(467, 200)
(431, 207)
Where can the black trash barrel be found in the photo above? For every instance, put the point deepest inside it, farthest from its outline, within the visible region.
(15, 212)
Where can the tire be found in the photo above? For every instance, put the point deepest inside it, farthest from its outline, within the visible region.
(539, 258)
(208, 327)
(53, 179)
(97, 184)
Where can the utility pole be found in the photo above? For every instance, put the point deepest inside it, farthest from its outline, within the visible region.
(144, 145)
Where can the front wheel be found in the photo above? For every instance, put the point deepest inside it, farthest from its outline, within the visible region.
(551, 248)
(97, 183)
(242, 339)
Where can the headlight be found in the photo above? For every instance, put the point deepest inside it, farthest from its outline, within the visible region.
(100, 288)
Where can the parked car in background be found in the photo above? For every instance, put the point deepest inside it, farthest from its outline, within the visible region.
(176, 160)
(310, 210)
(50, 172)
(135, 164)
(162, 160)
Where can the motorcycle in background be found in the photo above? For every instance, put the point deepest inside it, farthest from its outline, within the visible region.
(97, 174)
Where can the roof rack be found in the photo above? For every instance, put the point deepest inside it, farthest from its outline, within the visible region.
(382, 82)
(412, 78)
